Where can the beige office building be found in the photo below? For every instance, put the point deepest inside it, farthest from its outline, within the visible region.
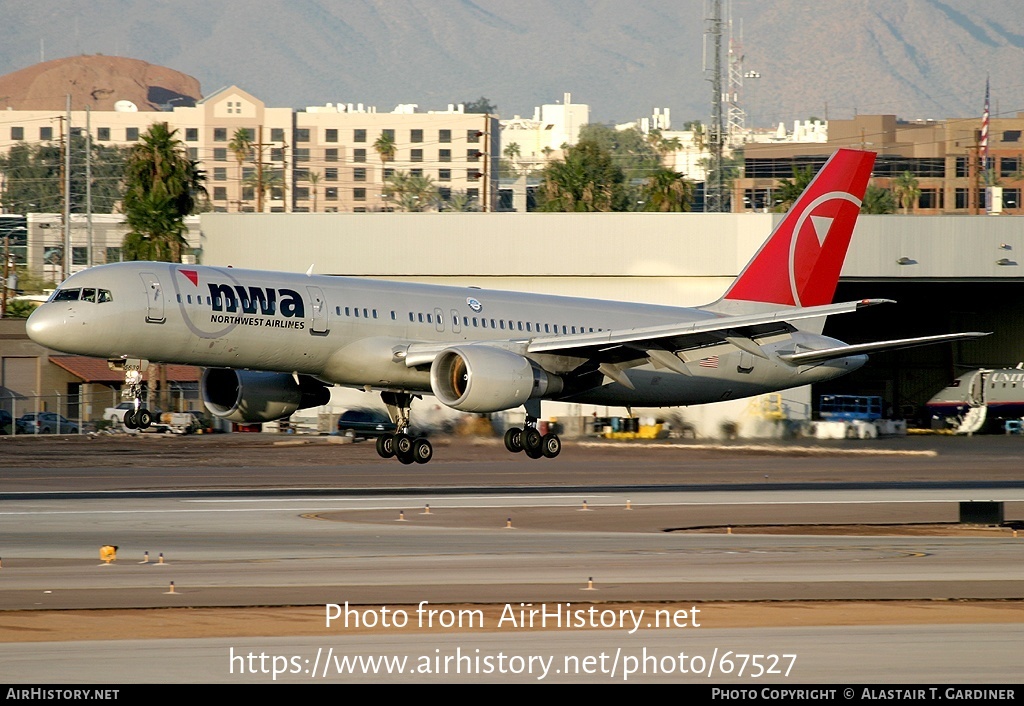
(322, 158)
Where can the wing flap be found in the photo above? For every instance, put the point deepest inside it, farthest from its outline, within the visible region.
(825, 354)
(683, 335)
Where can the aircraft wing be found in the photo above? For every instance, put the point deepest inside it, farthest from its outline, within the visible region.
(621, 345)
(825, 354)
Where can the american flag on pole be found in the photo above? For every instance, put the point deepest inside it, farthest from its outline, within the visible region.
(983, 151)
(711, 362)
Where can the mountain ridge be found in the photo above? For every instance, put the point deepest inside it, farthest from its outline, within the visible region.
(913, 58)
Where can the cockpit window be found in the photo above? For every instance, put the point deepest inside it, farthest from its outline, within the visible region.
(89, 294)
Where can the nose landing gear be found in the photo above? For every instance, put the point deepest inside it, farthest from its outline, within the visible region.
(138, 417)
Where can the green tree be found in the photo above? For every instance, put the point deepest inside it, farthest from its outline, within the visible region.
(241, 146)
(907, 190)
(162, 186)
(264, 181)
(667, 190)
(586, 180)
(32, 177)
(386, 149)
(20, 309)
(314, 180)
(877, 200)
(411, 193)
(630, 149)
(789, 190)
(480, 105)
(460, 201)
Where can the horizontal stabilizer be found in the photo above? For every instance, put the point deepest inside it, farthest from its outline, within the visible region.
(861, 348)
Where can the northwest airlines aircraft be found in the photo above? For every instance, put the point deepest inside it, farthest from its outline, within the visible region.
(273, 342)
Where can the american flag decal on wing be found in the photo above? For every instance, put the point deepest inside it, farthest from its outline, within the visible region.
(711, 362)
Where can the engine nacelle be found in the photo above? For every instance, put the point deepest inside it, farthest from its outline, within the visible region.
(250, 397)
(479, 378)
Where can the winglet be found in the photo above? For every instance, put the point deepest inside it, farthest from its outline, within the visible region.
(799, 264)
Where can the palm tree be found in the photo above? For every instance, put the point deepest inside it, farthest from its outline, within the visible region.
(461, 201)
(412, 193)
(586, 180)
(667, 145)
(512, 153)
(877, 200)
(263, 181)
(907, 190)
(241, 146)
(699, 137)
(162, 186)
(386, 148)
(314, 179)
(790, 189)
(667, 190)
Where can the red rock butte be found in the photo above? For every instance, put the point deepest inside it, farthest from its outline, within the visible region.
(99, 82)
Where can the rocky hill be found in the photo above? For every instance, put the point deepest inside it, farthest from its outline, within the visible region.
(914, 58)
(96, 81)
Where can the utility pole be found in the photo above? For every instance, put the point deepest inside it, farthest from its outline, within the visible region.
(714, 196)
(487, 154)
(259, 169)
(7, 273)
(66, 139)
(88, 184)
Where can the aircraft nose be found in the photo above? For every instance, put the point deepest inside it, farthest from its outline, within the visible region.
(45, 324)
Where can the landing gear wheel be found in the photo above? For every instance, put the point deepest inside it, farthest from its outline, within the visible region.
(532, 440)
(403, 445)
(534, 453)
(129, 420)
(514, 440)
(144, 418)
(403, 448)
(386, 446)
(551, 445)
(422, 451)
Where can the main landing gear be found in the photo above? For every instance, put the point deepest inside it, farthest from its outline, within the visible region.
(529, 438)
(402, 445)
(138, 417)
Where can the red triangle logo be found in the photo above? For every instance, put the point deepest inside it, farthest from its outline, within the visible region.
(193, 276)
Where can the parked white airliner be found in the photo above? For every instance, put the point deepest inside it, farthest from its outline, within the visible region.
(272, 342)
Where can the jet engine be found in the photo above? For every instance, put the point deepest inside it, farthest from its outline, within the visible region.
(251, 397)
(477, 378)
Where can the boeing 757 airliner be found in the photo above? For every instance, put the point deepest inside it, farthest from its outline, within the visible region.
(273, 342)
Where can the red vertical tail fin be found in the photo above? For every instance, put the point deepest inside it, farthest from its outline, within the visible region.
(799, 264)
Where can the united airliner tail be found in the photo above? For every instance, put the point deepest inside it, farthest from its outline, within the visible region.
(799, 264)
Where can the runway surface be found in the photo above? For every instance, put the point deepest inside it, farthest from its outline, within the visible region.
(251, 525)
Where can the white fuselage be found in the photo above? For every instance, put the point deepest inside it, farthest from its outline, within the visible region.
(354, 332)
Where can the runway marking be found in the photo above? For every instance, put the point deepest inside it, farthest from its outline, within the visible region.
(793, 450)
(407, 500)
(435, 508)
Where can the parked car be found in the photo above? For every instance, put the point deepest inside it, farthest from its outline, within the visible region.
(5, 421)
(45, 423)
(365, 423)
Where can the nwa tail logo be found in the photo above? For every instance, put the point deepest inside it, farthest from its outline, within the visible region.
(256, 300)
(800, 263)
